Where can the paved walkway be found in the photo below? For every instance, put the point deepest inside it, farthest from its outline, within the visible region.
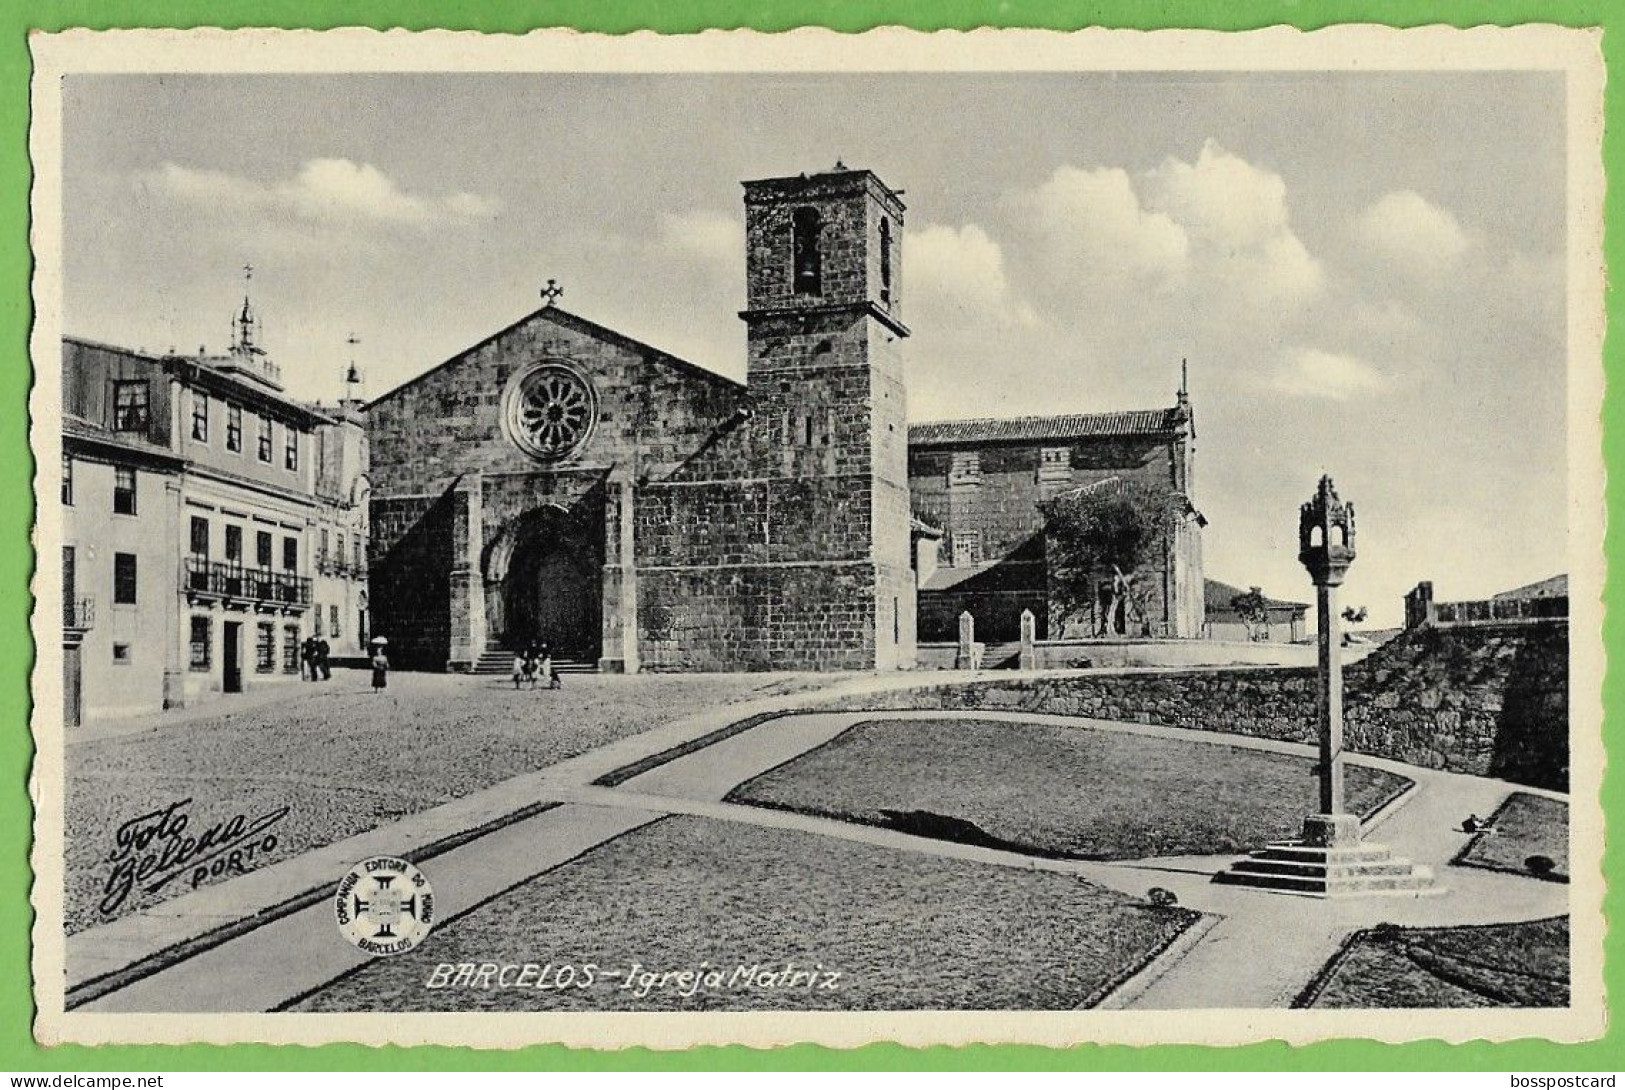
(1260, 950)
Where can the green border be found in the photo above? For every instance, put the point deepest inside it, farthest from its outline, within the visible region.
(18, 1051)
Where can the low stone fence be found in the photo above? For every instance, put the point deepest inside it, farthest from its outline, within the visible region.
(1112, 654)
(1488, 702)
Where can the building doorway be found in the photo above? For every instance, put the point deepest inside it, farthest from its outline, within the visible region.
(553, 596)
(231, 659)
(73, 698)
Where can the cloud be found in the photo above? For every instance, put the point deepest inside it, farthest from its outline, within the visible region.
(713, 238)
(1236, 215)
(1094, 225)
(1312, 372)
(1410, 234)
(1213, 232)
(329, 191)
(1220, 198)
(961, 270)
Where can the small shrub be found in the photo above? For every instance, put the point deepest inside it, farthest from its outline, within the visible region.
(1541, 866)
(1163, 898)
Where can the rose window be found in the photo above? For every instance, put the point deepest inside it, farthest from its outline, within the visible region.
(550, 410)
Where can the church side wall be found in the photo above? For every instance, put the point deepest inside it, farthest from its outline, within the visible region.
(756, 553)
(409, 577)
(892, 547)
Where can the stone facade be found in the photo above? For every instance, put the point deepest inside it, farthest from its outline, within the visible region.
(982, 483)
(688, 523)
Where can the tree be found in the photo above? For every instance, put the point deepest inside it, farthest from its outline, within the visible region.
(1253, 608)
(1111, 529)
(1354, 614)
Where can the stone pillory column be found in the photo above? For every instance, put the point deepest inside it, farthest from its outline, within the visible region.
(1326, 549)
(1330, 859)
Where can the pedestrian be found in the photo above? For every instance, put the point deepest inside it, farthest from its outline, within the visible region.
(380, 665)
(323, 650)
(307, 659)
(545, 666)
(520, 659)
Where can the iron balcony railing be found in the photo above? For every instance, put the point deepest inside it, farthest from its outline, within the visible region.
(78, 614)
(204, 576)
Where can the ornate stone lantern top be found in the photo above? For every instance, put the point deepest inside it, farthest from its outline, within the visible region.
(1326, 535)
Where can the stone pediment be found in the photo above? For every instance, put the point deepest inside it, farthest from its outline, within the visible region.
(533, 326)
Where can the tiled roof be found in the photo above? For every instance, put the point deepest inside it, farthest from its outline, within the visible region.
(1555, 587)
(1018, 429)
(1219, 596)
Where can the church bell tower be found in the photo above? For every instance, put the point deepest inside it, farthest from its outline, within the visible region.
(825, 375)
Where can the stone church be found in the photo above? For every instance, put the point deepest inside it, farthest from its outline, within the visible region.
(563, 483)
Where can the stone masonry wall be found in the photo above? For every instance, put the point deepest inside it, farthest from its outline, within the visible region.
(409, 578)
(1487, 702)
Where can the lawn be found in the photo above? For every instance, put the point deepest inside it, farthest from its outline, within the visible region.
(1526, 825)
(904, 931)
(344, 761)
(1057, 790)
(1495, 965)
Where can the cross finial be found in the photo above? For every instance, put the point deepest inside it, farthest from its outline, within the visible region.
(352, 375)
(248, 272)
(552, 293)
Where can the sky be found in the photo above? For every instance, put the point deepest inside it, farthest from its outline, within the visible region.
(1365, 271)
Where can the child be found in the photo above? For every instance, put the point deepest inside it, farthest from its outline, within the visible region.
(380, 668)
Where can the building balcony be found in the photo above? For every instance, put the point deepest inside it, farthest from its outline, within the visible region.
(234, 584)
(78, 616)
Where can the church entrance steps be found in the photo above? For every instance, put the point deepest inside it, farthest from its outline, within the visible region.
(498, 662)
(1342, 871)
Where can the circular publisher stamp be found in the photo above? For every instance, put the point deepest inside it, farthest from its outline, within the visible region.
(384, 906)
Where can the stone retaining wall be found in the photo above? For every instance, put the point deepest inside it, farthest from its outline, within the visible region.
(1489, 702)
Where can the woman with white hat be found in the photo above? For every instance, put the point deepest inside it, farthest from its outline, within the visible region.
(380, 664)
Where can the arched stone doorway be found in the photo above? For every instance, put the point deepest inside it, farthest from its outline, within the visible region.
(544, 584)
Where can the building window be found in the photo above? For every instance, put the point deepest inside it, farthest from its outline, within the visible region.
(130, 406)
(124, 579)
(200, 416)
(234, 545)
(885, 260)
(265, 438)
(321, 556)
(121, 654)
(290, 454)
(1055, 466)
(338, 553)
(67, 480)
(360, 561)
(805, 226)
(265, 648)
(234, 428)
(333, 621)
(202, 644)
(262, 549)
(290, 554)
(967, 549)
(290, 649)
(316, 617)
(200, 537)
(123, 490)
(965, 471)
